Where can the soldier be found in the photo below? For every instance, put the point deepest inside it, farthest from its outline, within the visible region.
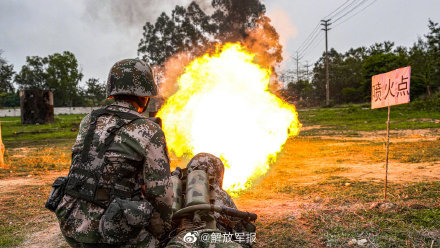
(118, 192)
(190, 235)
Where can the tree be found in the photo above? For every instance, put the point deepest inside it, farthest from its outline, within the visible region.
(433, 53)
(63, 75)
(6, 74)
(59, 73)
(422, 65)
(191, 29)
(32, 74)
(95, 91)
(157, 42)
(233, 18)
(9, 99)
(381, 59)
(186, 30)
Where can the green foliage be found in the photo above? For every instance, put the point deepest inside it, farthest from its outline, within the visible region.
(95, 91)
(11, 99)
(350, 94)
(62, 77)
(6, 74)
(429, 104)
(380, 61)
(191, 29)
(33, 73)
(59, 73)
(300, 92)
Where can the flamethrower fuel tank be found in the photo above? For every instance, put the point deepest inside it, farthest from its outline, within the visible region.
(197, 188)
(177, 190)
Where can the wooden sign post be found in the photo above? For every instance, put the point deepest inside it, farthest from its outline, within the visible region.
(2, 150)
(387, 89)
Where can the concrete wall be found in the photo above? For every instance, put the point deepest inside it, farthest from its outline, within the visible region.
(57, 111)
(10, 112)
(73, 110)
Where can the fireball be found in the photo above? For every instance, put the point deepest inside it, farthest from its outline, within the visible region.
(223, 107)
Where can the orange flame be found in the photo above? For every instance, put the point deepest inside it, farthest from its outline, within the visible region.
(223, 107)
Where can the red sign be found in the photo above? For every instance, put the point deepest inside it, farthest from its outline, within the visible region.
(390, 88)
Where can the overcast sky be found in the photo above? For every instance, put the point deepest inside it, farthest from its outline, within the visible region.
(102, 32)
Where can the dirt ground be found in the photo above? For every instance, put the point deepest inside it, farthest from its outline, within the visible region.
(304, 170)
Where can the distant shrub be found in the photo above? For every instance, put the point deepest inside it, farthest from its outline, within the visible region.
(353, 108)
(431, 104)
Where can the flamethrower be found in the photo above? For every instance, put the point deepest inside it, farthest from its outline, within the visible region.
(196, 190)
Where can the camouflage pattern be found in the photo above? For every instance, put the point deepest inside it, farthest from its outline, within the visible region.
(209, 163)
(131, 77)
(225, 224)
(138, 149)
(197, 188)
(124, 219)
(177, 192)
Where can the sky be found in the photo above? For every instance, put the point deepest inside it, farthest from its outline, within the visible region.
(100, 33)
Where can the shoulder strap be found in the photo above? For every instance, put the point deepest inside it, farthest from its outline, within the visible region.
(122, 116)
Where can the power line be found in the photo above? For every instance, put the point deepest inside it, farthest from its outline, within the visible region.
(327, 17)
(343, 9)
(312, 36)
(302, 52)
(351, 10)
(318, 43)
(355, 14)
(315, 32)
(309, 37)
(310, 47)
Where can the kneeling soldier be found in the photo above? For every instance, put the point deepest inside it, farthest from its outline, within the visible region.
(118, 192)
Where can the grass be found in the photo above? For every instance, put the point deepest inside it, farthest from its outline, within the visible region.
(36, 160)
(315, 171)
(410, 224)
(355, 118)
(22, 212)
(344, 213)
(63, 129)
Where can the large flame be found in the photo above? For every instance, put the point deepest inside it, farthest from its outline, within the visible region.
(223, 107)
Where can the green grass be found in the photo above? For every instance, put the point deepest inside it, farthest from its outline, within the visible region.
(356, 118)
(15, 134)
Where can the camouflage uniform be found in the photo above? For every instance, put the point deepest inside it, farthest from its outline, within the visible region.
(105, 204)
(225, 224)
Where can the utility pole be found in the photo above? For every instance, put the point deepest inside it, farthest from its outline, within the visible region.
(326, 23)
(297, 66)
(307, 69)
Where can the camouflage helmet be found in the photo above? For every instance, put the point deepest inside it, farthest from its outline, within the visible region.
(209, 163)
(131, 77)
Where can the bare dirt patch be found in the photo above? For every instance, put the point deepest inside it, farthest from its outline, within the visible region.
(15, 183)
(50, 238)
(36, 237)
(406, 135)
(397, 172)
